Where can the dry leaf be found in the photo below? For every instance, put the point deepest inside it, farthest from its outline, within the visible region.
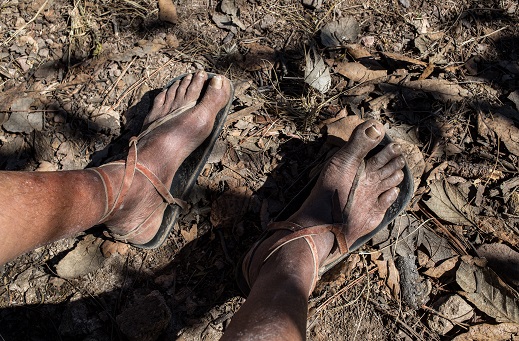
(505, 130)
(414, 159)
(358, 72)
(502, 259)
(259, 57)
(489, 332)
(168, 11)
(440, 89)
(393, 279)
(339, 32)
(190, 235)
(438, 248)
(402, 58)
(514, 97)
(109, 248)
(448, 203)
(340, 131)
(317, 74)
(499, 229)
(485, 290)
(440, 270)
(451, 309)
(357, 51)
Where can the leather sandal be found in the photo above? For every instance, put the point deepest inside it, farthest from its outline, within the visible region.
(174, 198)
(340, 249)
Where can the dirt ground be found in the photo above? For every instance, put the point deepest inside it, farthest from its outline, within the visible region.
(77, 78)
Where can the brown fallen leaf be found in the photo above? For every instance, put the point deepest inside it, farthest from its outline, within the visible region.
(358, 72)
(190, 235)
(502, 259)
(498, 228)
(427, 72)
(448, 203)
(506, 130)
(259, 57)
(402, 58)
(109, 248)
(168, 11)
(393, 279)
(488, 293)
(357, 51)
(440, 89)
(489, 332)
(440, 270)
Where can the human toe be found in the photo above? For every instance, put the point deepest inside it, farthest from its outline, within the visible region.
(386, 199)
(217, 93)
(364, 138)
(392, 181)
(391, 167)
(195, 87)
(382, 158)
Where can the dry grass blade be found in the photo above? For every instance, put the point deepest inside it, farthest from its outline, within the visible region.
(8, 40)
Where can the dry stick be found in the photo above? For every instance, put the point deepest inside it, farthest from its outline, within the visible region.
(397, 320)
(8, 40)
(431, 310)
(444, 229)
(139, 83)
(483, 37)
(341, 291)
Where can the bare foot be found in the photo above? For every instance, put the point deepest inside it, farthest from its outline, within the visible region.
(163, 150)
(376, 189)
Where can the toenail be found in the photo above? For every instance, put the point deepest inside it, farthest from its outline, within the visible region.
(201, 73)
(217, 82)
(401, 161)
(397, 149)
(373, 133)
(394, 194)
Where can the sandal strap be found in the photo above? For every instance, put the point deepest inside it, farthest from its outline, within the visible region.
(131, 165)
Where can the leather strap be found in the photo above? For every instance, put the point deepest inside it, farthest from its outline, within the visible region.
(131, 165)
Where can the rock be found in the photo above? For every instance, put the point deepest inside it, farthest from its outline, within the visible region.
(86, 257)
(453, 308)
(339, 32)
(168, 11)
(146, 319)
(21, 120)
(107, 118)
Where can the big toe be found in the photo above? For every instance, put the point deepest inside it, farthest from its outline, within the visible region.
(364, 138)
(217, 93)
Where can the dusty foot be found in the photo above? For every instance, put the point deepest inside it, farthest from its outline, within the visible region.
(164, 149)
(375, 192)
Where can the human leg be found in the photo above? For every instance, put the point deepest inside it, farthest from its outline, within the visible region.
(282, 279)
(38, 208)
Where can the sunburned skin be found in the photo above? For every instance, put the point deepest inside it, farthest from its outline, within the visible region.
(276, 308)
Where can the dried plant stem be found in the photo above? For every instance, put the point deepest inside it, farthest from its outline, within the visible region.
(8, 40)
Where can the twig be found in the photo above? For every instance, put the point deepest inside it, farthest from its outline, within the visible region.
(459, 324)
(482, 37)
(460, 246)
(8, 40)
(138, 84)
(342, 290)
